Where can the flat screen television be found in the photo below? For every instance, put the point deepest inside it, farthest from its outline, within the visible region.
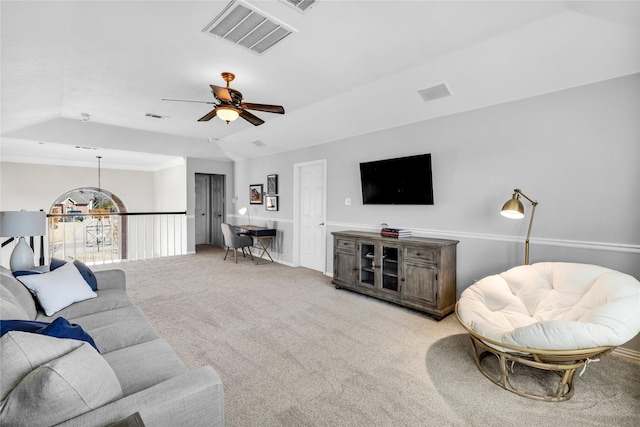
(399, 181)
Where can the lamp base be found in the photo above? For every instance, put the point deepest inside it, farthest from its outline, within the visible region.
(22, 256)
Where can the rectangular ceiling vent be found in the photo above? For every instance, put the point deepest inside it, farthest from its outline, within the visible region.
(246, 26)
(299, 5)
(435, 92)
(155, 116)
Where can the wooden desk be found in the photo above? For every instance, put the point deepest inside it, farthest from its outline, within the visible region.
(262, 235)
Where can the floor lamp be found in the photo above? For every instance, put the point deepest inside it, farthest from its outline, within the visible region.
(20, 224)
(514, 209)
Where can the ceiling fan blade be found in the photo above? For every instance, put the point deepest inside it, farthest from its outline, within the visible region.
(221, 93)
(263, 107)
(210, 115)
(185, 100)
(256, 121)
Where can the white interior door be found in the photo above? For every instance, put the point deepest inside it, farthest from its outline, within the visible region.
(202, 211)
(311, 207)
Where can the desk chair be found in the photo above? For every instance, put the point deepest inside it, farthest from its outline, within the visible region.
(235, 241)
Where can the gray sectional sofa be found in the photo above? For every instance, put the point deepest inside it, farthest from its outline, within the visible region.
(142, 374)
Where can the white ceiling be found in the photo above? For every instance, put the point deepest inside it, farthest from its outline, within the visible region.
(352, 67)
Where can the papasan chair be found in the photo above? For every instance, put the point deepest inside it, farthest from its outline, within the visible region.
(554, 316)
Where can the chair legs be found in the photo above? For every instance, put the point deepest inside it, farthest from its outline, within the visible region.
(235, 253)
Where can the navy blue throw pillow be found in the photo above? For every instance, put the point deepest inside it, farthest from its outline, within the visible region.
(55, 263)
(59, 328)
(84, 270)
(18, 273)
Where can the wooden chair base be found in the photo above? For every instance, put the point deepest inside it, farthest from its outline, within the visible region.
(235, 253)
(565, 363)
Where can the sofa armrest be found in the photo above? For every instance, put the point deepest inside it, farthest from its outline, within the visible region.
(193, 399)
(111, 279)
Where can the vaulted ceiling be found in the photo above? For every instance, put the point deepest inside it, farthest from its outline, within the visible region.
(348, 68)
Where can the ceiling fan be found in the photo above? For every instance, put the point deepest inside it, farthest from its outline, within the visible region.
(230, 105)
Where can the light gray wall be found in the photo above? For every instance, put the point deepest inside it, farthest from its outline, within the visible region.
(170, 189)
(575, 151)
(34, 187)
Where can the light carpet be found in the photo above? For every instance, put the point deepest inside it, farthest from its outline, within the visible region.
(294, 351)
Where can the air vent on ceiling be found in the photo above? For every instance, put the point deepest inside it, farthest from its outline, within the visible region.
(257, 143)
(301, 5)
(246, 26)
(156, 116)
(435, 92)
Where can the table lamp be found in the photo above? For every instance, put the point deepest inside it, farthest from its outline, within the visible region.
(244, 211)
(513, 209)
(20, 224)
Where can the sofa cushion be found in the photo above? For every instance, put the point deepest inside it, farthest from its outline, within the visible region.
(108, 299)
(21, 352)
(10, 307)
(60, 389)
(15, 296)
(59, 328)
(118, 328)
(58, 289)
(143, 365)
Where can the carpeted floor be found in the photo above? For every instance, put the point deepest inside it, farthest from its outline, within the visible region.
(294, 351)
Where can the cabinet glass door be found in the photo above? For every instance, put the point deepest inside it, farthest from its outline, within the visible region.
(367, 264)
(389, 264)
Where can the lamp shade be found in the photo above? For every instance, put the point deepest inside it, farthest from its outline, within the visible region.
(244, 211)
(228, 114)
(513, 208)
(23, 223)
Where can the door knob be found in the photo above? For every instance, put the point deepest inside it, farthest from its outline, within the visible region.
(322, 223)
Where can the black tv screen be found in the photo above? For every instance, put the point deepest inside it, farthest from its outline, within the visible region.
(400, 181)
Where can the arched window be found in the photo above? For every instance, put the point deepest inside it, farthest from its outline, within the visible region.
(84, 225)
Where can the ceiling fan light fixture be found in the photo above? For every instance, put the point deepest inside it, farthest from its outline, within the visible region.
(228, 114)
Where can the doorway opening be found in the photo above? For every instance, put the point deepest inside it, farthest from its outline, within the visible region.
(84, 226)
(209, 209)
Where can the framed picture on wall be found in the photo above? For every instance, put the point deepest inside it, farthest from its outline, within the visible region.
(272, 184)
(271, 203)
(255, 194)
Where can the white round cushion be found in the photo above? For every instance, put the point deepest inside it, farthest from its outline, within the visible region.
(554, 306)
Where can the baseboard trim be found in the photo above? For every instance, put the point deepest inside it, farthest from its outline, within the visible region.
(627, 353)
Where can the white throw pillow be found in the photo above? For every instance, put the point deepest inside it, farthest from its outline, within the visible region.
(59, 288)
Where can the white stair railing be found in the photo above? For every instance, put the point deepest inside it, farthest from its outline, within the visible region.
(107, 237)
